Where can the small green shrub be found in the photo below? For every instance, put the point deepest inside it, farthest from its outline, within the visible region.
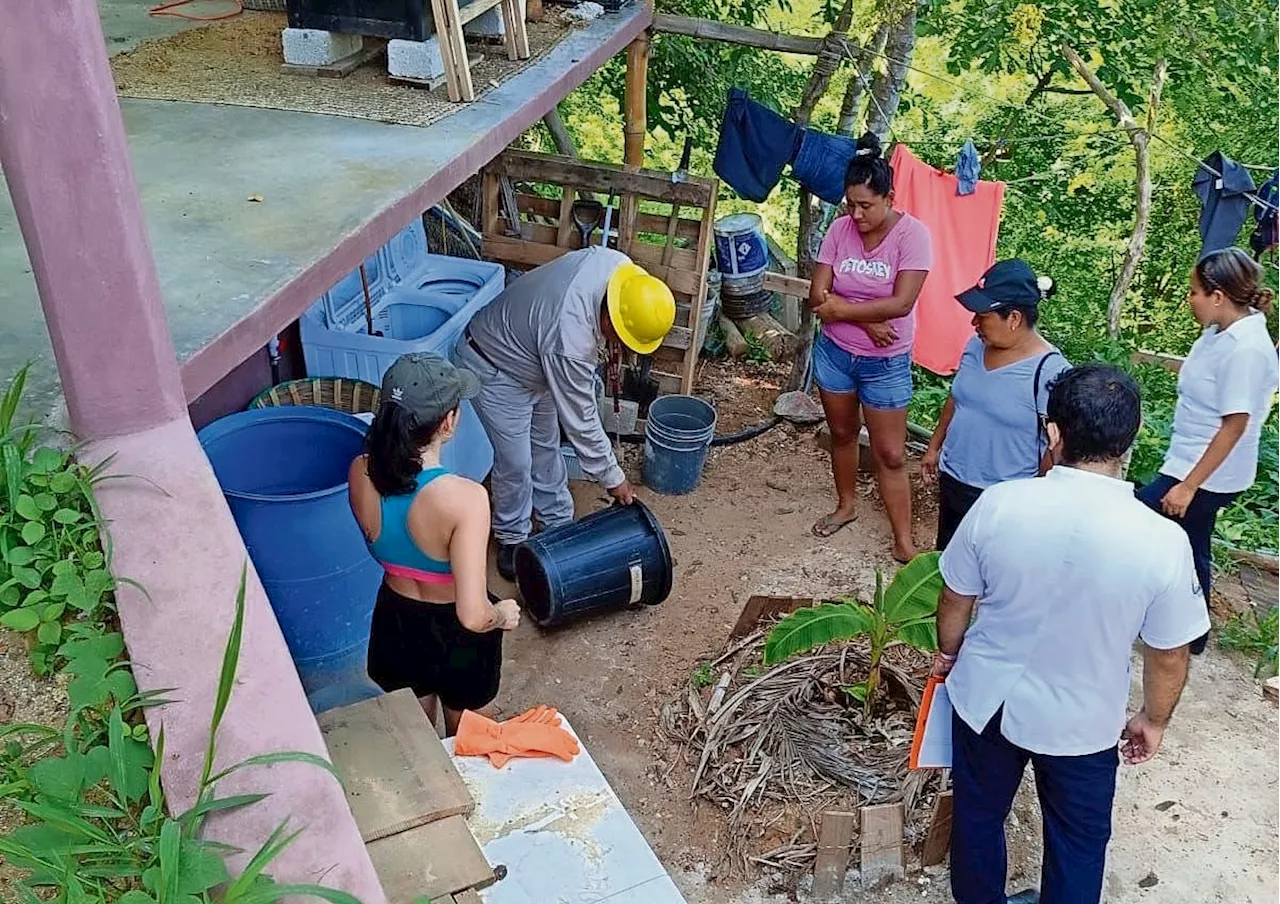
(1258, 639)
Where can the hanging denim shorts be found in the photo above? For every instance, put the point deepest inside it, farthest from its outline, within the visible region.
(880, 383)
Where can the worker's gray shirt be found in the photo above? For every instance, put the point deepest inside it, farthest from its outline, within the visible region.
(543, 332)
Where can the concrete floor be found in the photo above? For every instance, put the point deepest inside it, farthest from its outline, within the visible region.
(233, 272)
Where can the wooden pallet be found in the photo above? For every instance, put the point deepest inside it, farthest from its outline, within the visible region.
(664, 226)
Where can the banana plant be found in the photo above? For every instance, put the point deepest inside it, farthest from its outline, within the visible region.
(904, 612)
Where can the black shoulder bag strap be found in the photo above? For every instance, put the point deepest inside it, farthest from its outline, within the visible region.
(1042, 433)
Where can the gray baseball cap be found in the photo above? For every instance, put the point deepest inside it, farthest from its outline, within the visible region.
(428, 385)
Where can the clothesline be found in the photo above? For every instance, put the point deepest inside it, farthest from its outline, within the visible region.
(1207, 168)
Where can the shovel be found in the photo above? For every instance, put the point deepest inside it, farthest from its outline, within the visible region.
(586, 215)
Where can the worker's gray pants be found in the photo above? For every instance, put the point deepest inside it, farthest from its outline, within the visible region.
(528, 471)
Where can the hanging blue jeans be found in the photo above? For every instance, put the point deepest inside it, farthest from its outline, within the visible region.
(755, 144)
(1076, 794)
(1198, 522)
(821, 164)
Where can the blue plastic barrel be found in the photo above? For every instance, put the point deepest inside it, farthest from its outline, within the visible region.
(611, 558)
(677, 435)
(284, 474)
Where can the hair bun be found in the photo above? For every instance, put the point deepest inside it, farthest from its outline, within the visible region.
(1047, 286)
(1261, 298)
(869, 146)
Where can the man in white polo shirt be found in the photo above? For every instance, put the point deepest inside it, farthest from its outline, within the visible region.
(1066, 571)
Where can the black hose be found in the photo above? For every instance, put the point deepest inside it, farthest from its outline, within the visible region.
(637, 439)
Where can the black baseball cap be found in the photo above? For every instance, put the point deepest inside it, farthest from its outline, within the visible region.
(428, 385)
(1007, 284)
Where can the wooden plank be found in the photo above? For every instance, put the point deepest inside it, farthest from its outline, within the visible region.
(534, 254)
(491, 189)
(474, 9)
(679, 338)
(602, 178)
(701, 260)
(1172, 363)
(431, 861)
(786, 285)
(339, 68)
(650, 257)
(881, 843)
(833, 853)
(938, 842)
(759, 608)
(564, 216)
(396, 773)
(711, 30)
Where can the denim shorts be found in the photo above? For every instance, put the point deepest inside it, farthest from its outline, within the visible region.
(880, 383)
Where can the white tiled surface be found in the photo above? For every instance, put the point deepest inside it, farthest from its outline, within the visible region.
(562, 834)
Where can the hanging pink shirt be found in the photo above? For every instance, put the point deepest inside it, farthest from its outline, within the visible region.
(861, 275)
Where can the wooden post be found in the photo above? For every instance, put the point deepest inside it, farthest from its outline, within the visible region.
(634, 126)
(938, 841)
(833, 854)
(881, 843)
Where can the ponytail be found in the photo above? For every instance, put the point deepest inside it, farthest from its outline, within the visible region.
(394, 447)
(1236, 275)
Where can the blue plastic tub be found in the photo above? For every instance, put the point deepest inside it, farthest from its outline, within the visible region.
(611, 558)
(677, 435)
(284, 474)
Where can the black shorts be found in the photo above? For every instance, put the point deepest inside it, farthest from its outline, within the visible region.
(424, 646)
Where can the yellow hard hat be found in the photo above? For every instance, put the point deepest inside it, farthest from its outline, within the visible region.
(641, 308)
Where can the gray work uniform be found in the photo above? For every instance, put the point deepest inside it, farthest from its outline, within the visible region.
(535, 349)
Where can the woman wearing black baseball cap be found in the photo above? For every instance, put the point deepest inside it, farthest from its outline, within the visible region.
(990, 429)
(434, 627)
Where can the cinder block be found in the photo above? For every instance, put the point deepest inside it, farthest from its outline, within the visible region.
(487, 24)
(415, 59)
(312, 47)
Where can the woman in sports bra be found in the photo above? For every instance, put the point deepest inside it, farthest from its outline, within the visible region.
(434, 627)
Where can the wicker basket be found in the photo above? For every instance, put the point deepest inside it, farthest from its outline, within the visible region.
(339, 393)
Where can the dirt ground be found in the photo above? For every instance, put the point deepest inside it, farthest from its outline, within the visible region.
(1202, 819)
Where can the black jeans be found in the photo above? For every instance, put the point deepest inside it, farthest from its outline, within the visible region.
(1198, 522)
(954, 501)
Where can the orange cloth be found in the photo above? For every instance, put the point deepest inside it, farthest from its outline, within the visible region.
(535, 733)
(964, 229)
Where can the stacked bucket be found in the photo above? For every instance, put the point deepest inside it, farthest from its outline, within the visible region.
(677, 435)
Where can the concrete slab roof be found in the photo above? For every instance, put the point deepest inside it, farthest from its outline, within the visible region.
(235, 272)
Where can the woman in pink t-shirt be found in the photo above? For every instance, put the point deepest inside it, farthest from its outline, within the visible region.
(873, 262)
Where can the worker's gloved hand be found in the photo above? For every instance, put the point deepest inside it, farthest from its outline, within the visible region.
(623, 493)
(536, 733)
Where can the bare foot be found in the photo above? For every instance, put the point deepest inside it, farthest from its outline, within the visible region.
(904, 553)
(830, 524)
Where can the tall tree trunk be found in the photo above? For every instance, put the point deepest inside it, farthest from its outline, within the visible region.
(886, 89)
(851, 106)
(834, 49)
(1140, 138)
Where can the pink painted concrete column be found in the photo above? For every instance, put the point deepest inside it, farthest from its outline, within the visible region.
(64, 155)
(63, 150)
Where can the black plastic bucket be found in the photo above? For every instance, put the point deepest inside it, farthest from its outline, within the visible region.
(611, 558)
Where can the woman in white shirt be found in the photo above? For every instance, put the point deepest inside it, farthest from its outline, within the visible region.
(1225, 390)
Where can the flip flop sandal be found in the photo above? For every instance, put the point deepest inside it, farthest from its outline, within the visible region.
(826, 526)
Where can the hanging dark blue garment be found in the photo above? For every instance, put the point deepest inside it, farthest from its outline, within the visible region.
(821, 163)
(1224, 200)
(968, 166)
(755, 144)
(1266, 235)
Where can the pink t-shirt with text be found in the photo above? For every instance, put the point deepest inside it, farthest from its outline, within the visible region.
(861, 275)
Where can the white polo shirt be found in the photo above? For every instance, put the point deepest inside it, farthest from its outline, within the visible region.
(1068, 570)
(1231, 371)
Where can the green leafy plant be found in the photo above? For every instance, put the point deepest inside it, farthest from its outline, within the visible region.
(903, 612)
(1256, 638)
(758, 351)
(703, 676)
(55, 584)
(98, 826)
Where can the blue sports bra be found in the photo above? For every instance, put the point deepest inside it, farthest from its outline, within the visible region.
(395, 550)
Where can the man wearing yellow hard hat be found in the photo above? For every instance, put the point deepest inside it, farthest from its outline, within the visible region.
(535, 349)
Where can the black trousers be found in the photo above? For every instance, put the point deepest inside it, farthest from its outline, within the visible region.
(954, 501)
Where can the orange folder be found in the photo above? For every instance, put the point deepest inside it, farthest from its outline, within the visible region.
(931, 744)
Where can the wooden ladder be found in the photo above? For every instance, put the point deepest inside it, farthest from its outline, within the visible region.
(449, 20)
